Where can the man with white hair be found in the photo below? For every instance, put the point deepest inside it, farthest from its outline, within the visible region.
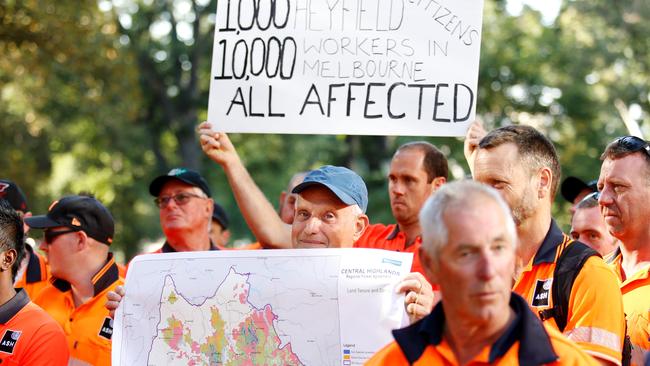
(468, 247)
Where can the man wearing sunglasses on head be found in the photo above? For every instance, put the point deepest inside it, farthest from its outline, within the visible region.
(78, 231)
(624, 201)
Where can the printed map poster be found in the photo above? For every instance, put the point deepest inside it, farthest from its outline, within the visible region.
(265, 307)
(362, 67)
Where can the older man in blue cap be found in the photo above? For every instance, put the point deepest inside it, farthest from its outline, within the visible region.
(330, 209)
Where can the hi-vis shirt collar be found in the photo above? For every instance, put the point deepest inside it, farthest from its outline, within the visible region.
(166, 248)
(33, 272)
(393, 234)
(13, 306)
(106, 276)
(554, 238)
(534, 344)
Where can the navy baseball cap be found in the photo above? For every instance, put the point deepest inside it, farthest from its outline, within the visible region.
(13, 194)
(572, 186)
(182, 174)
(343, 182)
(82, 213)
(220, 215)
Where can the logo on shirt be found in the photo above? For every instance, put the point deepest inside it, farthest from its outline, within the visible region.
(9, 340)
(106, 330)
(542, 292)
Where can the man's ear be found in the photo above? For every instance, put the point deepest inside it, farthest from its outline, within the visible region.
(8, 259)
(544, 186)
(436, 183)
(82, 240)
(361, 224)
(283, 196)
(209, 206)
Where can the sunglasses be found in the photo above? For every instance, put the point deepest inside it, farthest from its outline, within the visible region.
(180, 199)
(592, 196)
(633, 144)
(49, 235)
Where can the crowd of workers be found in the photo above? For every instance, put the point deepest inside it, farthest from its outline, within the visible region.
(494, 279)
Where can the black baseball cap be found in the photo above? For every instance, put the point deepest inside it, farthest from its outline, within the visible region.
(13, 194)
(78, 212)
(182, 174)
(572, 186)
(220, 215)
(347, 185)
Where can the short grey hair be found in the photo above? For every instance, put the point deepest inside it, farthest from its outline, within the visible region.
(457, 194)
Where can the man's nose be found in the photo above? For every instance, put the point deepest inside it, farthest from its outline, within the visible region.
(486, 266)
(605, 197)
(397, 188)
(313, 225)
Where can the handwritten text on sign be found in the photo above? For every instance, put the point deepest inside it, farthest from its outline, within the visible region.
(373, 67)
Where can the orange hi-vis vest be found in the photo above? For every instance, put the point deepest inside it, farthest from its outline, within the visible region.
(595, 319)
(526, 341)
(29, 336)
(389, 237)
(36, 275)
(88, 327)
(636, 303)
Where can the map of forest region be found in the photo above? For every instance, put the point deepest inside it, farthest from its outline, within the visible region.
(264, 307)
(224, 330)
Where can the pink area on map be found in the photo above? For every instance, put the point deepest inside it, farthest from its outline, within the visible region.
(177, 333)
(196, 347)
(243, 297)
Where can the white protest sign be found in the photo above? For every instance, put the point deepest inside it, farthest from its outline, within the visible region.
(366, 67)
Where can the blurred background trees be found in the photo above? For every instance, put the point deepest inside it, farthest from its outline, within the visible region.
(103, 96)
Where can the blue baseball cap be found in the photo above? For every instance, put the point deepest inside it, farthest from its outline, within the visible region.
(343, 182)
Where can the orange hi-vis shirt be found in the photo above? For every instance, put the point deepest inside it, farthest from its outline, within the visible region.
(389, 237)
(30, 337)
(36, 274)
(636, 303)
(595, 319)
(526, 341)
(88, 327)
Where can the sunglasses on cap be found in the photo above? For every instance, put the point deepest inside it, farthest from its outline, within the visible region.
(50, 235)
(591, 196)
(633, 144)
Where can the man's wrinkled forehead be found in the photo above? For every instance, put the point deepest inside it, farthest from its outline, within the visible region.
(500, 160)
(321, 196)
